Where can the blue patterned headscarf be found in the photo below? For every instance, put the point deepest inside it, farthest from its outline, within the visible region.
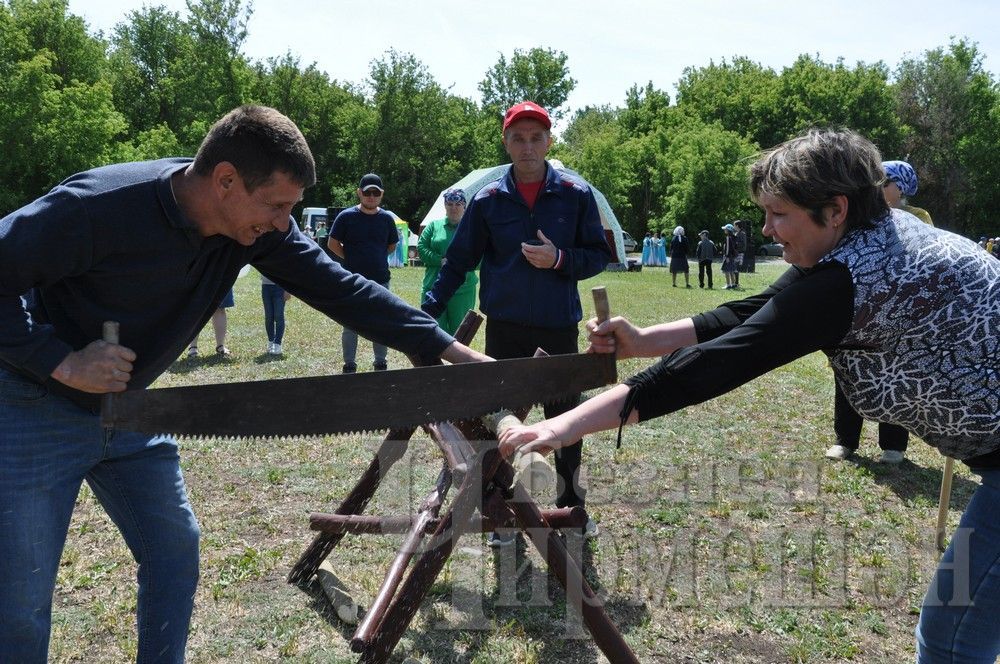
(903, 175)
(455, 195)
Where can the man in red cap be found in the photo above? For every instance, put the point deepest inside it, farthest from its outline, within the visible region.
(536, 232)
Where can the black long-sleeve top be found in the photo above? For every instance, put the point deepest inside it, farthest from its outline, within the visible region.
(802, 312)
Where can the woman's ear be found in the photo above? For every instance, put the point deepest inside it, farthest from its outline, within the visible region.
(836, 210)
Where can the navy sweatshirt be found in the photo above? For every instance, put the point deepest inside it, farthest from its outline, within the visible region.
(112, 244)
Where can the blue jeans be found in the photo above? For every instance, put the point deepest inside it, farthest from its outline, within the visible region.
(48, 446)
(349, 341)
(960, 617)
(274, 311)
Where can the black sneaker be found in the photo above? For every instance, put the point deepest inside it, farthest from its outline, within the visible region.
(380, 366)
(350, 368)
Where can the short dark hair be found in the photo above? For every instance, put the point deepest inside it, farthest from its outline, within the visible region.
(812, 168)
(259, 141)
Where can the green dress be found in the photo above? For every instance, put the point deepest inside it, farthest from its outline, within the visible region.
(432, 246)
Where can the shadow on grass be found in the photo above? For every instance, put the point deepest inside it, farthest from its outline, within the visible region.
(188, 364)
(548, 619)
(512, 606)
(909, 481)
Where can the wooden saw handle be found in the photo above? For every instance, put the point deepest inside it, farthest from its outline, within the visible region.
(110, 331)
(601, 307)
(110, 335)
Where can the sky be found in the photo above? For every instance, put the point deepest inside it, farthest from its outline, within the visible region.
(610, 45)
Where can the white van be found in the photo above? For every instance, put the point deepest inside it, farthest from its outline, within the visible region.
(312, 216)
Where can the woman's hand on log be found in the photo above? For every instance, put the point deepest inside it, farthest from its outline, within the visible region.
(524, 439)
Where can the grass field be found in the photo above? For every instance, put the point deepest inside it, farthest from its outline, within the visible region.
(725, 535)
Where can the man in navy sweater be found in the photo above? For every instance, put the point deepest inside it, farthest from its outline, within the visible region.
(537, 231)
(156, 246)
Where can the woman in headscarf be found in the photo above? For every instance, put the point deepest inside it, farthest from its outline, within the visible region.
(910, 318)
(900, 184)
(679, 258)
(432, 246)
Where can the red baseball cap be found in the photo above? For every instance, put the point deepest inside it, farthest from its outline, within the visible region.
(526, 110)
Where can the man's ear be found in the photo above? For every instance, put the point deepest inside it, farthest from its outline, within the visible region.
(224, 176)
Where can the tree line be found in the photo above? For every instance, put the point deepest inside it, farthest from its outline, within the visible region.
(71, 100)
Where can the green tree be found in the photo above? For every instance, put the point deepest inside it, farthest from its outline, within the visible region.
(660, 165)
(741, 95)
(422, 138)
(769, 108)
(146, 48)
(812, 93)
(646, 121)
(539, 74)
(211, 76)
(707, 166)
(329, 116)
(48, 25)
(949, 104)
(155, 143)
(593, 145)
(56, 111)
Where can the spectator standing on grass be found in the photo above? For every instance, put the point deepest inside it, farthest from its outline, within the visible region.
(220, 327)
(660, 244)
(729, 254)
(741, 250)
(706, 252)
(647, 249)
(887, 298)
(274, 297)
(678, 257)
(397, 257)
(364, 236)
(156, 246)
(536, 232)
(432, 246)
(900, 183)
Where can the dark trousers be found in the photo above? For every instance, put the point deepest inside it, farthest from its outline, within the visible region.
(510, 340)
(847, 426)
(705, 267)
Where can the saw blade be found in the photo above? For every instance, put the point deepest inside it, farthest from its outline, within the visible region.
(358, 403)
